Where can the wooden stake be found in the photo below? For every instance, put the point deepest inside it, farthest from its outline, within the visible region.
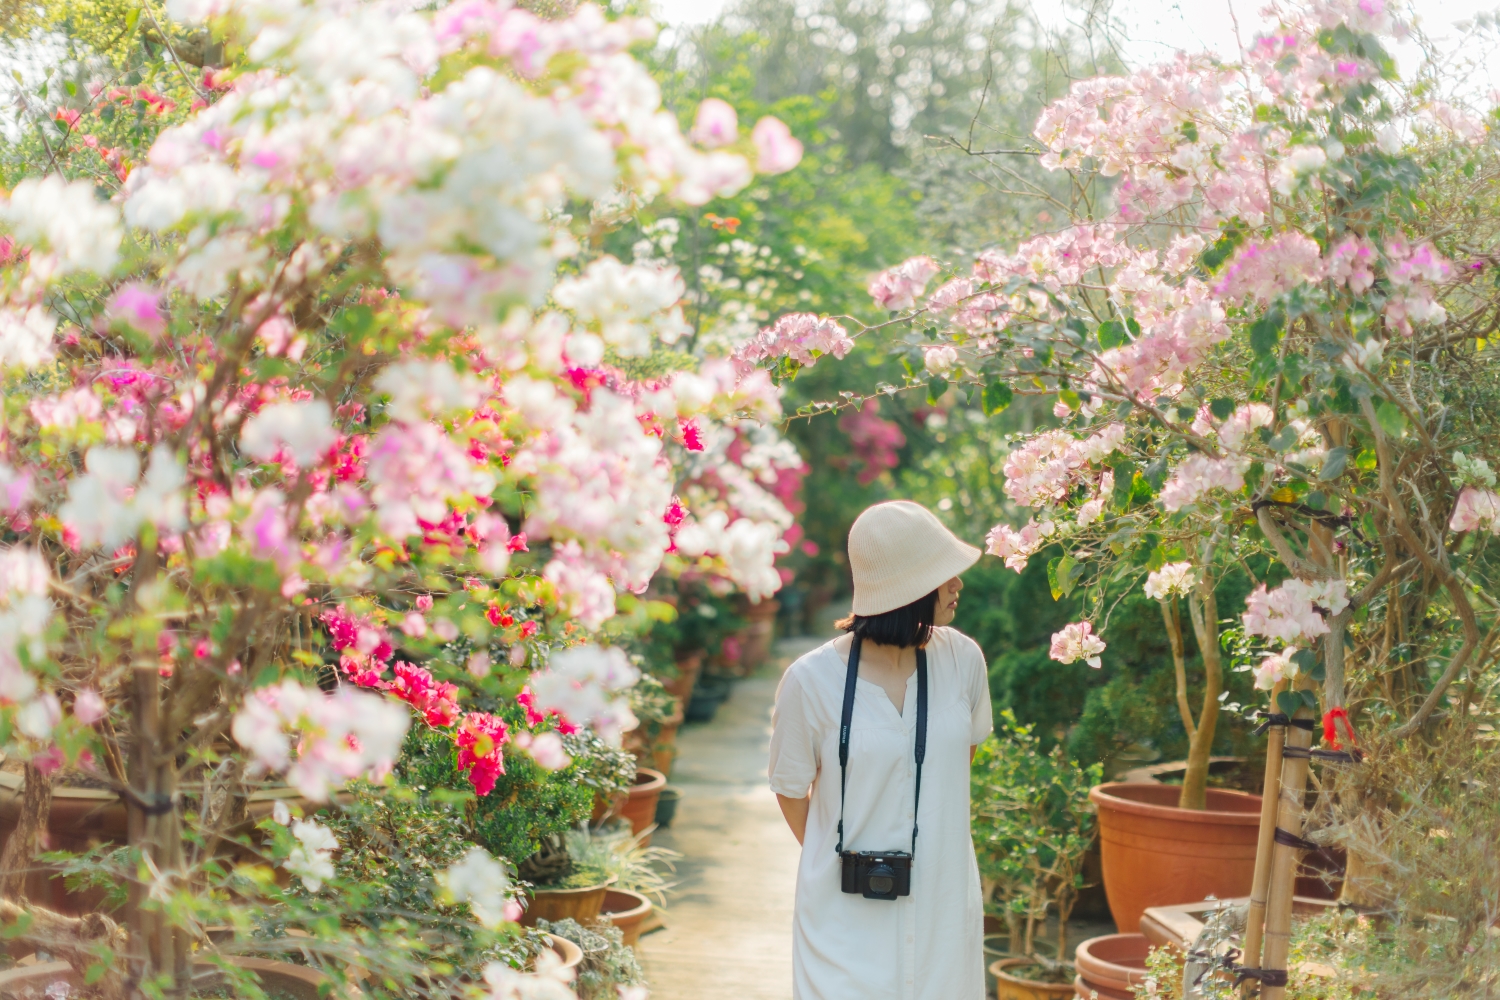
(1269, 795)
(1290, 816)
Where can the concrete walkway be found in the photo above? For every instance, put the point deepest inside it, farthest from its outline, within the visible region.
(728, 933)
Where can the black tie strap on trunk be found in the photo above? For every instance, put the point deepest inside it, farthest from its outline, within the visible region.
(1228, 962)
(1269, 719)
(1351, 756)
(1288, 839)
(846, 723)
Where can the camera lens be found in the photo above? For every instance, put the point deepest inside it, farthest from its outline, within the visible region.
(882, 879)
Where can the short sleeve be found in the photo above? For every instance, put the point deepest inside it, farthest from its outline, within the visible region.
(794, 741)
(981, 716)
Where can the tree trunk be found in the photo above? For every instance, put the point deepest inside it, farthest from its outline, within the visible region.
(157, 950)
(1260, 883)
(1204, 610)
(1290, 816)
(25, 840)
(1173, 620)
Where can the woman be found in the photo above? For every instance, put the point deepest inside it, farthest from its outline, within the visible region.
(926, 945)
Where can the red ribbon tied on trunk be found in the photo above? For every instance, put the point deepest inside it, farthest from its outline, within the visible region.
(1330, 727)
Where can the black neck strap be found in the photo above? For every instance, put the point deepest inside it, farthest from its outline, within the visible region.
(847, 719)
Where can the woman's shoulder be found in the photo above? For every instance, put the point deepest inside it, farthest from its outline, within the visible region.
(965, 651)
(813, 668)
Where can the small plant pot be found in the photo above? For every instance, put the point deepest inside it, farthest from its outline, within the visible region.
(710, 693)
(1013, 987)
(1112, 966)
(996, 947)
(581, 905)
(279, 979)
(664, 752)
(640, 803)
(628, 911)
(666, 805)
(1156, 854)
(568, 951)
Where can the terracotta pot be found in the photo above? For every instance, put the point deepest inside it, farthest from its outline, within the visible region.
(581, 905)
(996, 947)
(688, 667)
(759, 633)
(282, 979)
(628, 911)
(569, 952)
(665, 750)
(1111, 966)
(1156, 854)
(1009, 987)
(640, 804)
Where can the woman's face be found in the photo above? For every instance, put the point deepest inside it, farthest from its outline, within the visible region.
(947, 602)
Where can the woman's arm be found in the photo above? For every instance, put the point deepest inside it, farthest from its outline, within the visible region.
(795, 811)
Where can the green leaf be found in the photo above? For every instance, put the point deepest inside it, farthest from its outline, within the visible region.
(997, 396)
(131, 20)
(1070, 399)
(1309, 699)
(1265, 333)
(1390, 418)
(1125, 474)
(909, 366)
(936, 387)
(1306, 660)
(1112, 334)
(1062, 574)
(94, 973)
(1288, 702)
(1283, 440)
(1366, 461)
(1334, 464)
(71, 88)
(1221, 408)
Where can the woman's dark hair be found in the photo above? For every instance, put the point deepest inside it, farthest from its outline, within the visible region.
(908, 626)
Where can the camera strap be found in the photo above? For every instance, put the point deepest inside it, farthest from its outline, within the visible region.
(847, 720)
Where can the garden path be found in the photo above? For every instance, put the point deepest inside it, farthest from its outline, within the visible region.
(729, 933)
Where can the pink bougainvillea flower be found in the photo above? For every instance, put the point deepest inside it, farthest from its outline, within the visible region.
(1075, 642)
(777, 151)
(715, 125)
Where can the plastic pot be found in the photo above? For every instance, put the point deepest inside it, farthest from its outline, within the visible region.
(1156, 854)
(666, 805)
(1013, 987)
(1111, 966)
(628, 911)
(640, 803)
(581, 905)
(710, 693)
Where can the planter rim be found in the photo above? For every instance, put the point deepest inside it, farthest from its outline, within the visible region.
(311, 977)
(655, 781)
(997, 969)
(641, 907)
(580, 891)
(1104, 795)
(1104, 971)
(572, 955)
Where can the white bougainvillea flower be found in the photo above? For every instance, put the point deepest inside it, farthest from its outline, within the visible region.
(1075, 642)
(480, 881)
(312, 859)
(1172, 580)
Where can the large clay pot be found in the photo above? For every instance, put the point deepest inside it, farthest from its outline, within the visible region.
(640, 804)
(1156, 854)
(1111, 966)
(581, 905)
(280, 979)
(1012, 987)
(628, 911)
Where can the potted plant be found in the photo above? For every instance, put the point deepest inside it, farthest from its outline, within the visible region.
(637, 869)
(1032, 827)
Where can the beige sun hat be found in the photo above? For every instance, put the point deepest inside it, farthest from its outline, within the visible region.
(900, 552)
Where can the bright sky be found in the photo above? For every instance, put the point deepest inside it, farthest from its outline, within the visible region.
(1160, 27)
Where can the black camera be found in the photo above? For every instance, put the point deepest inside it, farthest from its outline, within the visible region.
(877, 874)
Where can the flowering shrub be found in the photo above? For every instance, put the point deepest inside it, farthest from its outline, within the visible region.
(1260, 342)
(320, 427)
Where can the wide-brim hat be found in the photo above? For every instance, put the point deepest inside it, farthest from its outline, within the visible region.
(900, 552)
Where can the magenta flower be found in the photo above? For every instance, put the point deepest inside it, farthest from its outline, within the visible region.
(140, 307)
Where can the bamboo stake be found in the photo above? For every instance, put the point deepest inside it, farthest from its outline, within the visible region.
(1291, 815)
(1270, 792)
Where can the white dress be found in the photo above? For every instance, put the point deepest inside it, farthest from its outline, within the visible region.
(926, 946)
